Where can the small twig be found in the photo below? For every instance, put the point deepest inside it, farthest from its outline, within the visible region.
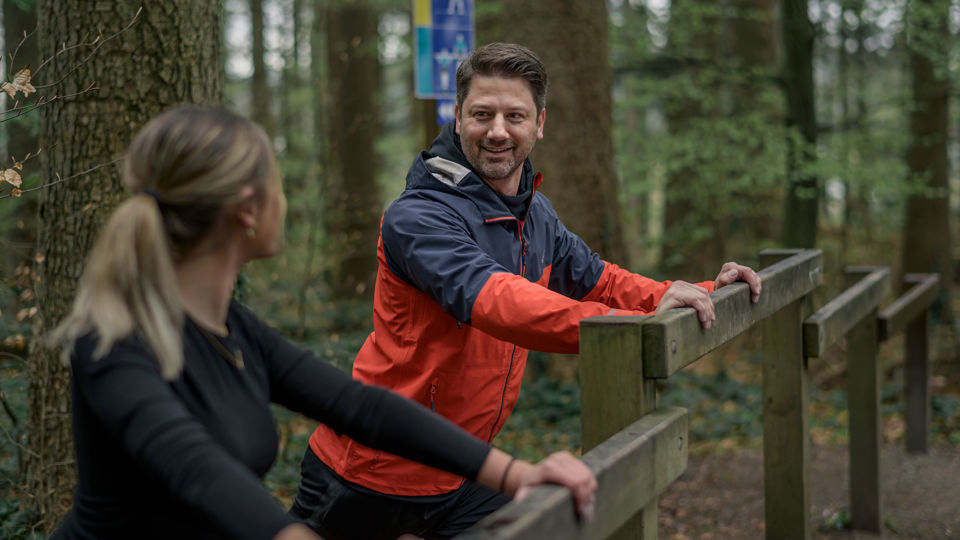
(6, 407)
(23, 40)
(61, 180)
(13, 440)
(96, 44)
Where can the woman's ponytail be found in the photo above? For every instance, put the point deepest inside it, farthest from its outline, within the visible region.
(129, 284)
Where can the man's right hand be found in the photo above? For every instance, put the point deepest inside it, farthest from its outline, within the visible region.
(684, 294)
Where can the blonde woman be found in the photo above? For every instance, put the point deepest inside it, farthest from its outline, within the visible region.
(172, 379)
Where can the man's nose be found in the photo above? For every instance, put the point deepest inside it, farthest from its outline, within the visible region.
(498, 128)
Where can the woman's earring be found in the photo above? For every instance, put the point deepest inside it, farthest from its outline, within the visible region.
(251, 233)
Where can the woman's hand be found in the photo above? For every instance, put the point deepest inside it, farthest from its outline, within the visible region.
(297, 531)
(558, 468)
(517, 477)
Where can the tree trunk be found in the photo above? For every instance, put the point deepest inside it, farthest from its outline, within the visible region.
(926, 236)
(260, 91)
(576, 153)
(756, 55)
(169, 56)
(693, 240)
(353, 204)
(800, 222)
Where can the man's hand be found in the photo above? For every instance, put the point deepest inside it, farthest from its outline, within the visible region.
(682, 294)
(731, 272)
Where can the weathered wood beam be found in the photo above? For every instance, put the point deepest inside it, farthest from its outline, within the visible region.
(613, 392)
(675, 339)
(904, 309)
(632, 468)
(834, 320)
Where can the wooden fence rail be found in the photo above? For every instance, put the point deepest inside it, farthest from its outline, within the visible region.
(636, 449)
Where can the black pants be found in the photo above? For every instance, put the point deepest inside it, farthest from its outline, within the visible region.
(339, 510)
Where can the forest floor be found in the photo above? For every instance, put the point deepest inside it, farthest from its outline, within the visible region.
(720, 495)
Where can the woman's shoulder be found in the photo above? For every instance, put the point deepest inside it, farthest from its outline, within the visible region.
(87, 353)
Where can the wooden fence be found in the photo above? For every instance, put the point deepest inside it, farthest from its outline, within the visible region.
(637, 449)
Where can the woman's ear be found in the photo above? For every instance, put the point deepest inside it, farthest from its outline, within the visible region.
(247, 211)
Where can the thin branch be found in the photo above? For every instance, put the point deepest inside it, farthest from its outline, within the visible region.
(98, 42)
(9, 409)
(19, 110)
(61, 180)
(23, 40)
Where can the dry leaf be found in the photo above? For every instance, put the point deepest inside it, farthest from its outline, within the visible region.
(12, 177)
(40, 258)
(16, 192)
(21, 83)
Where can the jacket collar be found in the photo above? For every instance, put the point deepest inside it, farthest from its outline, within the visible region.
(445, 168)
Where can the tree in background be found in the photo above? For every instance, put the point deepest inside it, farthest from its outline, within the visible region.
(693, 239)
(926, 234)
(715, 151)
(576, 153)
(803, 192)
(352, 198)
(260, 95)
(169, 56)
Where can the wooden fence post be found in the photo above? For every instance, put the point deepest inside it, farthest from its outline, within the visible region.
(910, 312)
(614, 394)
(785, 425)
(853, 314)
(916, 383)
(863, 402)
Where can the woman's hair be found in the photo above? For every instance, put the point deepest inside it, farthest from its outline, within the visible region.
(181, 168)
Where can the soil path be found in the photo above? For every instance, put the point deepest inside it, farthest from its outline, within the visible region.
(720, 495)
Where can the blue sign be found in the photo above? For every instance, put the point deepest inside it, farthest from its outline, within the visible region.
(443, 38)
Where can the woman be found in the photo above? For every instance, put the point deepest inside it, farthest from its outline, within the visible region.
(172, 379)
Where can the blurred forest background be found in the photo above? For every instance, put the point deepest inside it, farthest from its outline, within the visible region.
(680, 134)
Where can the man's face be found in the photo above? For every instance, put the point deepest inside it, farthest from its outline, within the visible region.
(498, 126)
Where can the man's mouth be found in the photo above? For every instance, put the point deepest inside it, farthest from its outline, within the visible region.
(497, 150)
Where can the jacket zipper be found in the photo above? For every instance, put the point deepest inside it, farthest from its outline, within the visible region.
(433, 395)
(503, 396)
(513, 353)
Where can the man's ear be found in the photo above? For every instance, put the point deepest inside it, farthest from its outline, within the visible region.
(542, 119)
(456, 117)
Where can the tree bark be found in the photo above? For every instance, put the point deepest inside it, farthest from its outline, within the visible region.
(169, 56)
(576, 153)
(353, 202)
(800, 222)
(926, 235)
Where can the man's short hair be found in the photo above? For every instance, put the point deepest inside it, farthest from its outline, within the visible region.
(503, 60)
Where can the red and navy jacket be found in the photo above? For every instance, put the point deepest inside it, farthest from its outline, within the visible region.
(464, 289)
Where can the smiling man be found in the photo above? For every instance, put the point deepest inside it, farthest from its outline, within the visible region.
(475, 269)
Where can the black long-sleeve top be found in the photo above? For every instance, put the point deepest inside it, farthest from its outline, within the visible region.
(183, 458)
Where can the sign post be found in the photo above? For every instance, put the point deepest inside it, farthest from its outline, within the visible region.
(443, 37)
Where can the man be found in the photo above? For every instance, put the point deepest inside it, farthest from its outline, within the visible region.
(475, 268)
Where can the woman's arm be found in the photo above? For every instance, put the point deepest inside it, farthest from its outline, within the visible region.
(132, 402)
